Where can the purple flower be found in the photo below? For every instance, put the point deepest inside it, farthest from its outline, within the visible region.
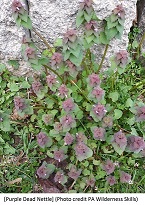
(59, 177)
(19, 103)
(125, 177)
(81, 149)
(135, 143)
(17, 7)
(59, 155)
(94, 80)
(51, 81)
(140, 113)
(108, 166)
(45, 170)
(68, 105)
(68, 139)
(36, 86)
(26, 40)
(91, 181)
(43, 139)
(121, 58)
(99, 133)
(119, 11)
(73, 70)
(86, 5)
(63, 91)
(56, 59)
(70, 36)
(80, 137)
(107, 121)
(90, 25)
(42, 171)
(98, 93)
(67, 122)
(111, 180)
(74, 173)
(120, 139)
(30, 53)
(99, 111)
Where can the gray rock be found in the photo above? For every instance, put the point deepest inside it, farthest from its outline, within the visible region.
(52, 18)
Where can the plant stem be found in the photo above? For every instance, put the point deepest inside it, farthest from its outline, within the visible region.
(140, 45)
(46, 66)
(43, 39)
(137, 85)
(103, 58)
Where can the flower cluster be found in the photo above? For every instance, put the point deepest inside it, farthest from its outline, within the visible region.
(99, 111)
(121, 58)
(107, 121)
(135, 143)
(125, 177)
(140, 113)
(108, 166)
(119, 11)
(59, 155)
(68, 139)
(30, 53)
(60, 177)
(43, 140)
(19, 102)
(93, 80)
(74, 173)
(67, 122)
(120, 139)
(52, 82)
(86, 5)
(36, 86)
(56, 60)
(72, 68)
(63, 91)
(98, 133)
(47, 119)
(68, 105)
(45, 170)
(70, 36)
(17, 7)
(91, 181)
(111, 180)
(82, 151)
(90, 25)
(97, 94)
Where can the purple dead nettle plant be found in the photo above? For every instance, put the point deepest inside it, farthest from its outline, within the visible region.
(140, 113)
(121, 58)
(56, 60)
(59, 155)
(68, 105)
(36, 86)
(125, 177)
(91, 181)
(119, 11)
(120, 139)
(135, 143)
(70, 37)
(98, 133)
(111, 180)
(90, 26)
(82, 151)
(48, 119)
(19, 102)
(93, 80)
(80, 137)
(63, 91)
(52, 82)
(67, 122)
(43, 140)
(74, 173)
(98, 112)
(18, 8)
(108, 166)
(72, 69)
(58, 127)
(86, 5)
(68, 139)
(45, 170)
(97, 94)
(30, 53)
(60, 177)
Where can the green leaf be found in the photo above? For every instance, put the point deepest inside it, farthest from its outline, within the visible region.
(66, 55)
(96, 162)
(111, 33)
(75, 60)
(58, 42)
(25, 85)
(13, 87)
(24, 17)
(79, 114)
(129, 102)
(118, 149)
(88, 16)
(27, 24)
(114, 96)
(79, 18)
(14, 63)
(134, 132)
(117, 113)
(103, 38)
(89, 39)
(120, 28)
(8, 149)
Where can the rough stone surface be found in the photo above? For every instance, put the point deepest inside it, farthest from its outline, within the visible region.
(52, 18)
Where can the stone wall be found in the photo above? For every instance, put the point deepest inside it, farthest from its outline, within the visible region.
(52, 18)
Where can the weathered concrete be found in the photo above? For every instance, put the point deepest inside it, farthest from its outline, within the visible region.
(52, 18)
